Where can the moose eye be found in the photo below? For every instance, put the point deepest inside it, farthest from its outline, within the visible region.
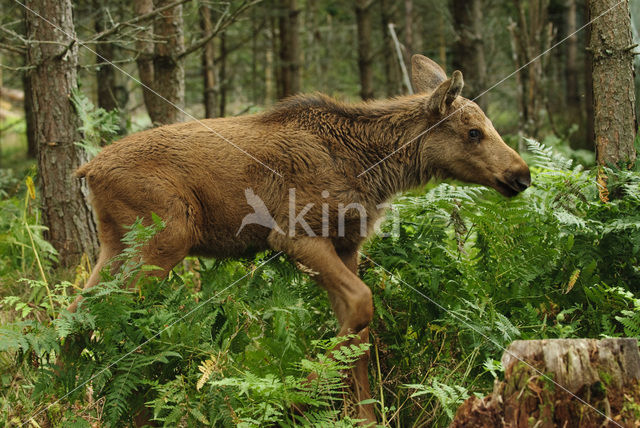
(475, 134)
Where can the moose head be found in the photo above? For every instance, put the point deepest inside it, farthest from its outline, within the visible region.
(461, 141)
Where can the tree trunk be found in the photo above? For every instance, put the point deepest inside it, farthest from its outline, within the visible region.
(588, 85)
(391, 68)
(560, 383)
(70, 223)
(294, 46)
(223, 74)
(208, 64)
(408, 27)
(32, 144)
(363, 21)
(468, 50)
(613, 85)
(571, 69)
(288, 74)
(144, 44)
(530, 36)
(105, 76)
(168, 66)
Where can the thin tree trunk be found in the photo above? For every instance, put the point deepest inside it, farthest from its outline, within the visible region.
(468, 50)
(144, 44)
(588, 85)
(391, 72)
(294, 46)
(105, 76)
(271, 68)
(408, 26)
(223, 74)
(613, 85)
(572, 71)
(288, 74)
(208, 64)
(168, 67)
(70, 223)
(32, 144)
(530, 36)
(363, 21)
(442, 43)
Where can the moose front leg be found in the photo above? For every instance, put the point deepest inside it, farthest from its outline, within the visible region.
(350, 298)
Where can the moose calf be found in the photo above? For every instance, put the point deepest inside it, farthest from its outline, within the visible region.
(308, 158)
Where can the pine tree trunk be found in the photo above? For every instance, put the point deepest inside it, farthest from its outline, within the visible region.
(223, 74)
(391, 68)
(408, 27)
(530, 36)
(208, 65)
(468, 50)
(168, 66)
(588, 84)
(571, 69)
(365, 59)
(71, 227)
(32, 144)
(288, 73)
(105, 75)
(144, 44)
(613, 85)
(283, 73)
(294, 46)
(560, 383)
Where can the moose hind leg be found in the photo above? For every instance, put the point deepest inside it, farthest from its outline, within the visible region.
(360, 372)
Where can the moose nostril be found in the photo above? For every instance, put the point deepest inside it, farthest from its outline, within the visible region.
(522, 182)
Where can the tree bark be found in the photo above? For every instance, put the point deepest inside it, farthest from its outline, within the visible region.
(208, 64)
(144, 44)
(70, 223)
(223, 74)
(294, 46)
(560, 383)
(32, 144)
(613, 85)
(530, 36)
(365, 58)
(408, 27)
(168, 66)
(105, 75)
(588, 85)
(468, 50)
(288, 73)
(391, 68)
(575, 109)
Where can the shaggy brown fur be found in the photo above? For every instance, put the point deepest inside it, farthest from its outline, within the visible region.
(196, 182)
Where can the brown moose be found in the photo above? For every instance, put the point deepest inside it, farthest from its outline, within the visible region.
(309, 147)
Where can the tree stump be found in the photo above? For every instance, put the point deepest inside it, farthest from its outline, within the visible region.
(561, 383)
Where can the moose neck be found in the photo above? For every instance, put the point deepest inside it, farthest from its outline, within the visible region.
(378, 142)
(390, 132)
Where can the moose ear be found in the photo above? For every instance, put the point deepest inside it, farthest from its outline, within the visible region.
(426, 75)
(445, 94)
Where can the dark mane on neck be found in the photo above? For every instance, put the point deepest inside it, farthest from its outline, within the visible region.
(299, 106)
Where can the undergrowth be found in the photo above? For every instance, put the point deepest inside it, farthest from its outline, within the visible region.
(225, 343)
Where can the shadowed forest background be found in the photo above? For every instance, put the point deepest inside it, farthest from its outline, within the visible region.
(469, 272)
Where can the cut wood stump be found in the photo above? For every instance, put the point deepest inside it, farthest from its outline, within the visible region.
(561, 383)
